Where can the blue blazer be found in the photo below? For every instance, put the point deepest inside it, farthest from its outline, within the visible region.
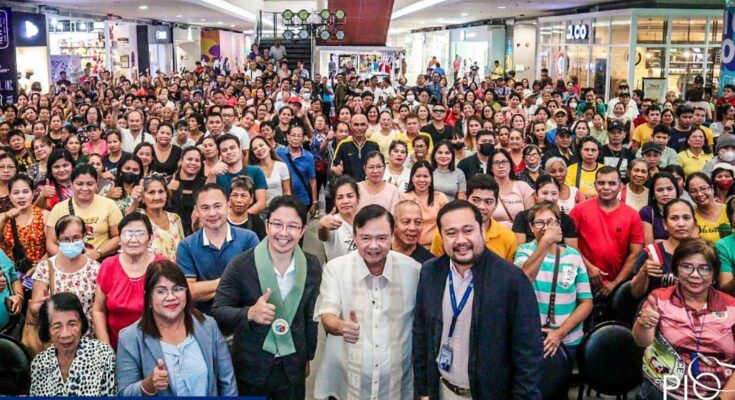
(137, 354)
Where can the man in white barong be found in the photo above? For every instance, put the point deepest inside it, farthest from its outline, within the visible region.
(366, 305)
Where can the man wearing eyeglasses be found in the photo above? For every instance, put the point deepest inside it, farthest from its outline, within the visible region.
(437, 129)
(367, 299)
(610, 234)
(267, 296)
(204, 254)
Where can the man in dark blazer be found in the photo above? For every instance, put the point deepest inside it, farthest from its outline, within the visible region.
(267, 296)
(496, 348)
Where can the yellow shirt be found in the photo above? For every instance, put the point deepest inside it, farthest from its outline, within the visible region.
(708, 134)
(586, 180)
(710, 230)
(642, 134)
(384, 141)
(498, 239)
(692, 163)
(98, 217)
(409, 142)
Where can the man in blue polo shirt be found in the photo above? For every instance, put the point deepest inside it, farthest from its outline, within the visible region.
(231, 165)
(301, 167)
(204, 254)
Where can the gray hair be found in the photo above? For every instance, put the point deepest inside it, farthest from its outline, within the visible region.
(551, 161)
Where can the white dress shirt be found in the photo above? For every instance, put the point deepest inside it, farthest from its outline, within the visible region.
(129, 142)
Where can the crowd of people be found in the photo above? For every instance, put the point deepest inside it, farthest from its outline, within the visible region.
(152, 231)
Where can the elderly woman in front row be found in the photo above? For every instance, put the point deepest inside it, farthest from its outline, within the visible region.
(74, 364)
(173, 350)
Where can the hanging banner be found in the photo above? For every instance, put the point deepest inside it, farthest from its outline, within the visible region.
(727, 68)
(8, 69)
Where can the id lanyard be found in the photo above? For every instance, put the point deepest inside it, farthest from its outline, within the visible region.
(697, 338)
(456, 310)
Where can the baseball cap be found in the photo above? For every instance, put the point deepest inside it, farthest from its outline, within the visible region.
(725, 141)
(93, 126)
(563, 132)
(560, 111)
(723, 166)
(651, 146)
(615, 125)
(294, 100)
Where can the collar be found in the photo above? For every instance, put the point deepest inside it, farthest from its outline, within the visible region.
(205, 239)
(455, 273)
(715, 302)
(291, 269)
(493, 230)
(364, 272)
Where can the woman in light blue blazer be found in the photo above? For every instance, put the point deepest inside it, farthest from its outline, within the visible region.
(173, 350)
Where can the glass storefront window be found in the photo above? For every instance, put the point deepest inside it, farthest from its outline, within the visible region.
(618, 69)
(650, 62)
(599, 66)
(545, 34)
(684, 65)
(579, 62)
(558, 31)
(620, 30)
(713, 67)
(558, 63)
(601, 31)
(652, 30)
(715, 30)
(685, 30)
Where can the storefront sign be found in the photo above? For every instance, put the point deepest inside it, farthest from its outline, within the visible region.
(29, 29)
(578, 33)
(561, 65)
(727, 68)
(654, 88)
(8, 69)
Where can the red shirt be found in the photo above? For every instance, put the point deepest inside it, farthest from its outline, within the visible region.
(124, 295)
(639, 120)
(605, 237)
(723, 100)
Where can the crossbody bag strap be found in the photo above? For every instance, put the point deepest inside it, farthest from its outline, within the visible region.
(550, 315)
(578, 179)
(71, 206)
(300, 175)
(18, 250)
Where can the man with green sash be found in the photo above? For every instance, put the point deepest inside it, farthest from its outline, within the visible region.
(267, 297)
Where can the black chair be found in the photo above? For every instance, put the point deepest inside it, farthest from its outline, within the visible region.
(556, 375)
(623, 306)
(610, 362)
(15, 368)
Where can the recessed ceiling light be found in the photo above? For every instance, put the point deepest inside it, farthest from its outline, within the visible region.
(501, 7)
(179, 16)
(143, 7)
(232, 26)
(203, 19)
(464, 14)
(220, 22)
(440, 19)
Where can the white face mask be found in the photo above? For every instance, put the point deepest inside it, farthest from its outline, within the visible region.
(306, 95)
(410, 98)
(728, 156)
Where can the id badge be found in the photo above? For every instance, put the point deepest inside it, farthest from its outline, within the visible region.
(445, 358)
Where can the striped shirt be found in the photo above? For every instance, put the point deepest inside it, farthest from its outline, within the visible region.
(572, 285)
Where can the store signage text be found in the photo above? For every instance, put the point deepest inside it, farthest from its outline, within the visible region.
(31, 29)
(578, 32)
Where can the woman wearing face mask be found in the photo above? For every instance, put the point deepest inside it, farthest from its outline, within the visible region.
(187, 181)
(709, 214)
(70, 270)
(127, 178)
(662, 189)
(57, 184)
(569, 196)
(547, 189)
(166, 155)
(118, 297)
(532, 169)
(459, 147)
(373, 190)
(167, 228)
(635, 192)
(652, 268)
(722, 176)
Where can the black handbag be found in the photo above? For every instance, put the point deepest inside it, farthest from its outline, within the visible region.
(22, 263)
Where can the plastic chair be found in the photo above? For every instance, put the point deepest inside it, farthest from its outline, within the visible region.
(15, 368)
(623, 305)
(556, 375)
(609, 360)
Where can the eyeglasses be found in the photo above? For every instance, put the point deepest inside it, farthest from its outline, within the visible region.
(703, 189)
(704, 270)
(127, 235)
(70, 240)
(163, 292)
(279, 226)
(7, 167)
(501, 162)
(439, 111)
(541, 224)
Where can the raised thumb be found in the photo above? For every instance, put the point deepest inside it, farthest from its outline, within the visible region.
(160, 364)
(267, 295)
(353, 316)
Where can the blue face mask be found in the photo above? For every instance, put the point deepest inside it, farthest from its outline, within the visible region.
(72, 250)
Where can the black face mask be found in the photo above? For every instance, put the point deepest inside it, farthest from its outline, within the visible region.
(130, 178)
(486, 149)
(458, 146)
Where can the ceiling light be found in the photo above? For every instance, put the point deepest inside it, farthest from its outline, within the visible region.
(417, 6)
(220, 22)
(232, 26)
(340, 14)
(303, 15)
(339, 35)
(440, 19)
(288, 34)
(464, 14)
(236, 11)
(143, 7)
(501, 7)
(303, 34)
(325, 14)
(203, 19)
(179, 16)
(324, 34)
(287, 15)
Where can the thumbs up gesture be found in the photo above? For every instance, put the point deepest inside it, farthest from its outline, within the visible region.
(338, 169)
(115, 192)
(137, 193)
(649, 317)
(48, 190)
(351, 329)
(173, 185)
(160, 376)
(262, 312)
